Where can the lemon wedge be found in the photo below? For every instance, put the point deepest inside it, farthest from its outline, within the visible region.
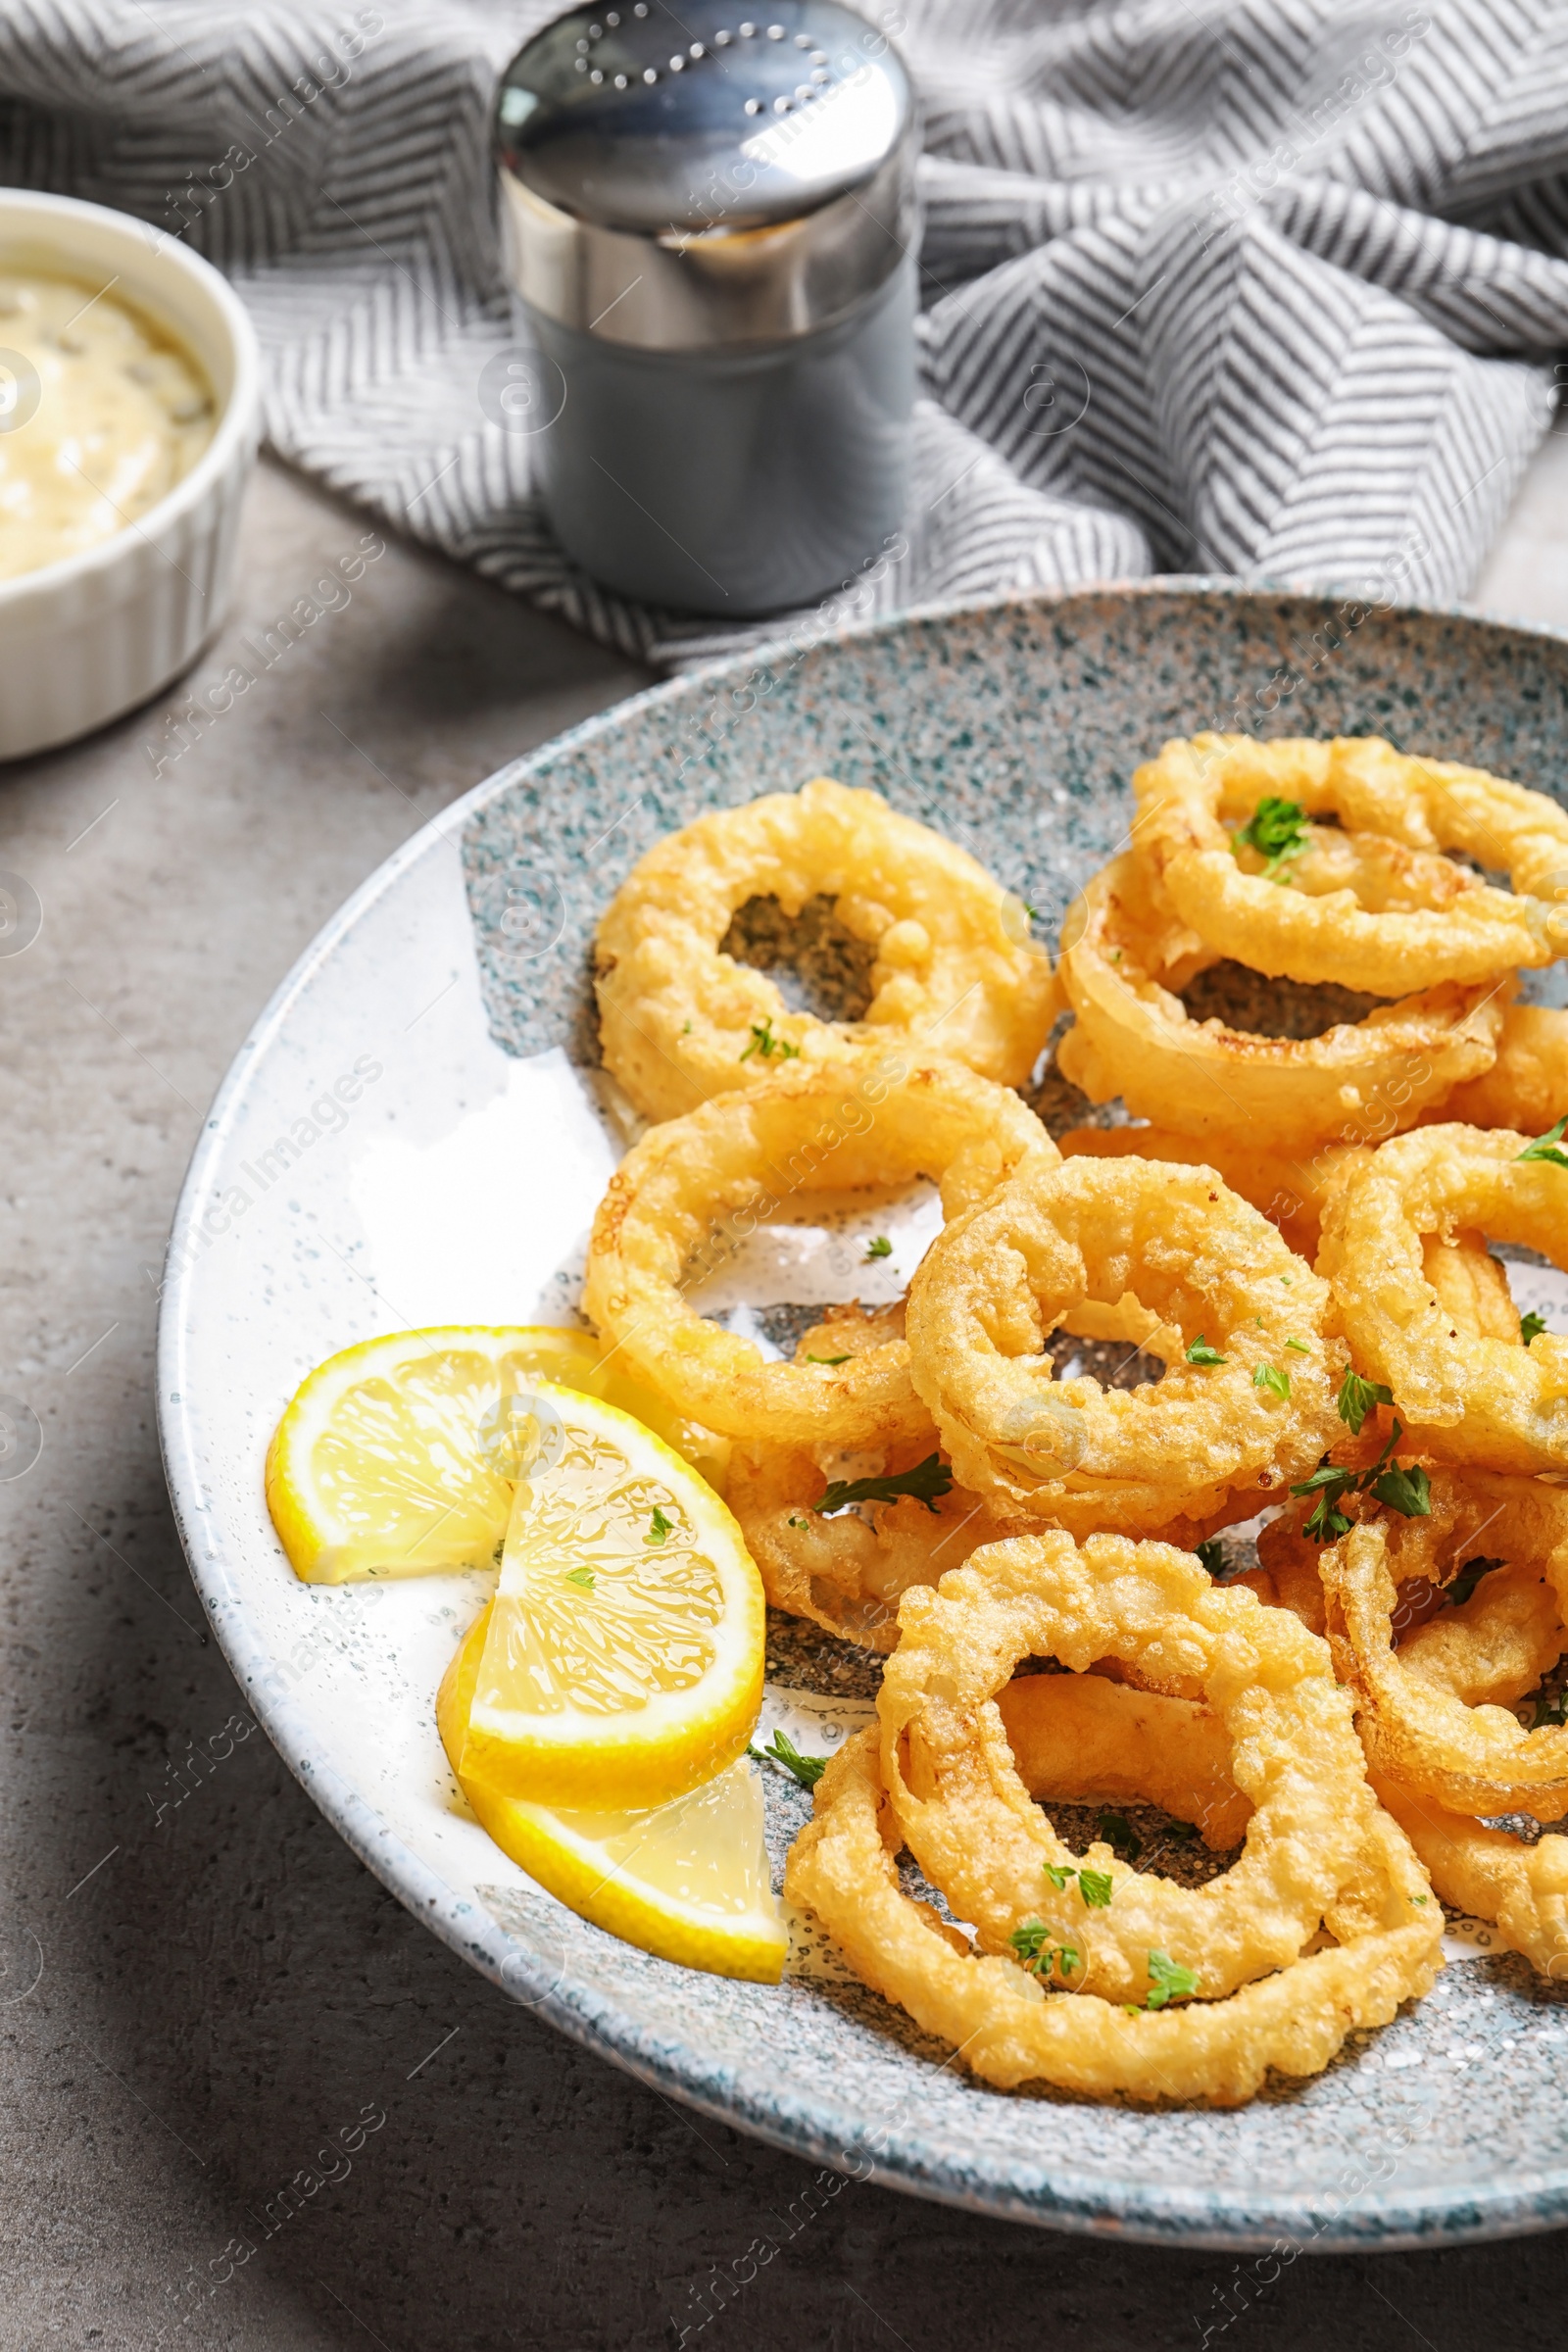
(398, 1457)
(623, 1660)
(687, 1879)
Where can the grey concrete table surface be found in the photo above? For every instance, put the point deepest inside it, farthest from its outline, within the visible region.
(197, 1979)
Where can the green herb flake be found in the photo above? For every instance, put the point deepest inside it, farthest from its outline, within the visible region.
(808, 1769)
(581, 1577)
(1270, 1377)
(1531, 1327)
(1211, 1558)
(1278, 830)
(827, 1359)
(1469, 1576)
(1550, 1146)
(1039, 1952)
(1097, 1886)
(1357, 1397)
(766, 1045)
(1116, 1830)
(1550, 1713)
(1170, 1980)
(1058, 1873)
(924, 1484)
(1297, 1348)
(878, 1247)
(1201, 1352)
(658, 1527)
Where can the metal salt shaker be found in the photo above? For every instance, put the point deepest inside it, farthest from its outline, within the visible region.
(711, 222)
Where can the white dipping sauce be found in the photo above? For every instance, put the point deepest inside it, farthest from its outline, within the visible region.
(101, 420)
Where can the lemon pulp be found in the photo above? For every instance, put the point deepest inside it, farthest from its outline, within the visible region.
(623, 1656)
(397, 1457)
(688, 1879)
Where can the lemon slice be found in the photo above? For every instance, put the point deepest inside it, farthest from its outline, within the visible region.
(689, 1879)
(623, 1660)
(398, 1456)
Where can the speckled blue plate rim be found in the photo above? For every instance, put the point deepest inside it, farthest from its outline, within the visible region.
(1191, 2217)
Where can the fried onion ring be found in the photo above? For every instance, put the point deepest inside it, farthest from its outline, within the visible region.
(1132, 1037)
(685, 1196)
(956, 970)
(1373, 908)
(966, 1813)
(1464, 1397)
(1497, 1644)
(1208, 1438)
(1289, 1192)
(843, 1868)
(1083, 1739)
(1472, 1758)
(1527, 1086)
(846, 1571)
(1523, 1888)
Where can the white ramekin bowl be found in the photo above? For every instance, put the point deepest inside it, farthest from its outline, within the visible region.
(87, 639)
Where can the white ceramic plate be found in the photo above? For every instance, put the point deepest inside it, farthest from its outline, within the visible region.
(377, 1160)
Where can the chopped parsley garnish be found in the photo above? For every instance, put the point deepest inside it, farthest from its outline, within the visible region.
(794, 1522)
(658, 1527)
(766, 1045)
(1201, 1352)
(1404, 1488)
(808, 1769)
(1116, 1830)
(1297, 1348)
(1550, 1146)
(1270, 1377)
(1469, 1576)
(1170, 1980)
(924, 1483)
(1551, 1712)
(1358, 1396)
(1097, 1886)
(878, 1247)
(1039, 1952)
(1277, 830)
(581, 1576)
(1531, 1326)
(827, 1359)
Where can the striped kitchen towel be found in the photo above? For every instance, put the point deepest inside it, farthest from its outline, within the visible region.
(1264, 287)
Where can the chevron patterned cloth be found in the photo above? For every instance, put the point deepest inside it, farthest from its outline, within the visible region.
(1261, 287)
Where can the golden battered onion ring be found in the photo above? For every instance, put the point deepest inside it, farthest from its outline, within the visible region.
(1372, 907)
(1207, 1439)
(1527, 1086)
(1494, 1645)
(1462, 1397)
(966, 1815)
(955, 971)
(843, 1868)
(865, 1120)
(1133, 1038)
(1289, 1192)
(846, 1572)
(1084, 1739)
(1483, 1871)
(1471, 1758)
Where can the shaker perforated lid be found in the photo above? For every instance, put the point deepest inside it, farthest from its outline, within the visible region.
(679, 182)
